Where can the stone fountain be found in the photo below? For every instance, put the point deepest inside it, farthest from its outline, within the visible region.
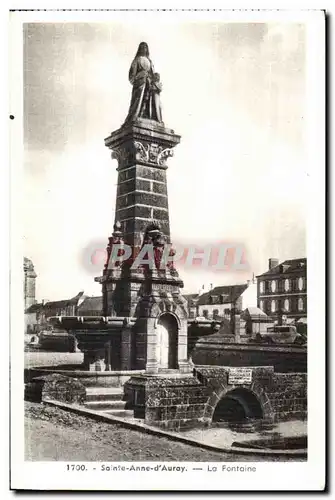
(143, 324)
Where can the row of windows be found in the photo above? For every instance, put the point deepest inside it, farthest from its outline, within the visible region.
(287, 285)
(287, 305)
(205, 313)
(217, 300)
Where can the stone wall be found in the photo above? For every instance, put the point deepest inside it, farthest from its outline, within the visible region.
(179, 402)
(172, 402)
(282, 396)
(55, 386)
(217, 352)
(288, 396)
(216, 379)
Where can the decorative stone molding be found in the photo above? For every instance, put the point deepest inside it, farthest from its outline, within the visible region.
(152, 153)
(164, 155)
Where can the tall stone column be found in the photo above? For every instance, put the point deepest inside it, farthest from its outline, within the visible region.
(141, 149)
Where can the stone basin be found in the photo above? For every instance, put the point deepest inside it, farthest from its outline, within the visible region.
(106, 340)
(98, 338)
(99, 324)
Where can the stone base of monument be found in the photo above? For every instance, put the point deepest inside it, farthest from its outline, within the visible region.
(174, 400)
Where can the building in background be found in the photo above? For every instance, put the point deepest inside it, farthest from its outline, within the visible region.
(90, 306)
(67, 307)
(29, 285)
(33, 318)
(192, 301)
(282, 291)
(218, 302)
(36, 316)
(254, 321)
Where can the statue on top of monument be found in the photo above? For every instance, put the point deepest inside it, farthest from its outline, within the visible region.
(145, 97)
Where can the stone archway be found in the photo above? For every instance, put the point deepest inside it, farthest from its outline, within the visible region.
(237, 405)
(167, 341)
(243, 396)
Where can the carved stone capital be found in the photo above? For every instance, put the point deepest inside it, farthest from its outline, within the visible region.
(152, 152)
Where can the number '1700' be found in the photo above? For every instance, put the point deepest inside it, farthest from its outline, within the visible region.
(75, 467)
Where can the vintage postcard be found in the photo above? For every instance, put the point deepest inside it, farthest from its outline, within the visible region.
(167, 250)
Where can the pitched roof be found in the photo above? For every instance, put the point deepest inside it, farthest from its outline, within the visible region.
(252, 312)
(91, 304)
(57, 304)
(222, 295)
(63, 303)
(75, 299)
(286, 267)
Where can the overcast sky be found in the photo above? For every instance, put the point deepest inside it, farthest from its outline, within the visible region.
(236, 95)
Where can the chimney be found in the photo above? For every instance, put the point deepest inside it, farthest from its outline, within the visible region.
(211, 286)
(273, 263)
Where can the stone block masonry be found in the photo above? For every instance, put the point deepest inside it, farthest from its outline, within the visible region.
(281, 396)
(141, 149)
(172, 402)
(288, 396)
(178, 402)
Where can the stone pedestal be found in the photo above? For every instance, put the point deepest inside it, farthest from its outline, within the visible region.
(173, 401)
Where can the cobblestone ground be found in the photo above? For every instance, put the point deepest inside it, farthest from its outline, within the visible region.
(54, 434)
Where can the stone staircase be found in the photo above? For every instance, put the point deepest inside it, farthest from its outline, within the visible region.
(107, 400)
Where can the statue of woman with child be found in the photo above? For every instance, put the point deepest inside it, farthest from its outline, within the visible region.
(145, 98)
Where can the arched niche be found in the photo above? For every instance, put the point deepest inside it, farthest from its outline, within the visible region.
(167, 328)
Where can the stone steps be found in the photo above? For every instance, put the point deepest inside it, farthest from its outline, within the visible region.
(107, 400)
(117, 404)
(104, 393)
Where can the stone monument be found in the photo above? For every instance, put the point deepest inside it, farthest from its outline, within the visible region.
(150, 294)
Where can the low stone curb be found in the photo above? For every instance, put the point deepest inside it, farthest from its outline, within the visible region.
(79, 410)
